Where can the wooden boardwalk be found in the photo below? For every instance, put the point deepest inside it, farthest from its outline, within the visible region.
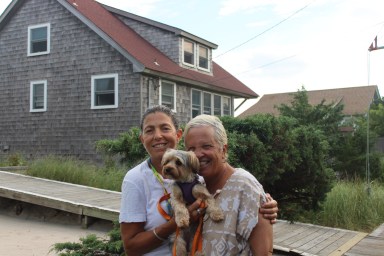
(84, 201)
(289, 239)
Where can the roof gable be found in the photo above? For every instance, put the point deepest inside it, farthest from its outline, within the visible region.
(356, 100)
(147, 58)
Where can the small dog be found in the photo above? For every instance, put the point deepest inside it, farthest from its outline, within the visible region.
(182, 166)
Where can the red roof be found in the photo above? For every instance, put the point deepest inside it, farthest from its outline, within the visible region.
(147, 54)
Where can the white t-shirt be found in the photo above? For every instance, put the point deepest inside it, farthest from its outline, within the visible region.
(140, 193)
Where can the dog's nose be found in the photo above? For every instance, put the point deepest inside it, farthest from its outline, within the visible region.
(167, 170)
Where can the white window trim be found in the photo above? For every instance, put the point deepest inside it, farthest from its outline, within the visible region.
(194, 53)
(48, 25)
(212, 102)
(198, 58)
(116, 90)
(174, 93)
(32, 84)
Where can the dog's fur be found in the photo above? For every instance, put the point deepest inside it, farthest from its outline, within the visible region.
(182, 166)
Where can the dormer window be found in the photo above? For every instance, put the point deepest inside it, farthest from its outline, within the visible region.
(203, 57)
(196, 55)
(189, 50)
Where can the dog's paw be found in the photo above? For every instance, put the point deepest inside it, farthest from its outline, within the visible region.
(182, 222)
(216, 215)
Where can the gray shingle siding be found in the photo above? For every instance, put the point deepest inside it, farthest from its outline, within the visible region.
(167, 42)
(69, 126)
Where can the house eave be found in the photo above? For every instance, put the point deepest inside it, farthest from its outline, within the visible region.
(8, 12)
(198, 84)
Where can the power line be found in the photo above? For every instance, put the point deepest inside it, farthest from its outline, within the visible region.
(262, 66)
(268, 64)
(265, 31)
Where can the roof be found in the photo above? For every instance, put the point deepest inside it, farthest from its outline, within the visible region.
(356, 100)
(144, 56)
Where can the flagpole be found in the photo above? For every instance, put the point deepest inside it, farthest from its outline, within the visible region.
(372, 47)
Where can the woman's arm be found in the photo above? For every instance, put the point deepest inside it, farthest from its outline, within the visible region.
(261, 238)
(137, 241)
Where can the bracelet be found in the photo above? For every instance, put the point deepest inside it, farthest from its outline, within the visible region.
(157, 236)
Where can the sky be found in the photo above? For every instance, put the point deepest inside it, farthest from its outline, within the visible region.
(276, 46)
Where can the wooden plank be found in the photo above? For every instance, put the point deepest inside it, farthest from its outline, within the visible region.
(333, 246)
(307, 236)
(348, 245)
(322, 236)
(328, 242)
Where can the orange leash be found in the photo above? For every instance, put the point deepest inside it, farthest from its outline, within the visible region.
(160, 209)
(197, 244)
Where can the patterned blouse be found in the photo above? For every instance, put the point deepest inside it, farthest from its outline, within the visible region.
(240, 201)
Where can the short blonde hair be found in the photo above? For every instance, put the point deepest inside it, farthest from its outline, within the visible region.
(220, 135)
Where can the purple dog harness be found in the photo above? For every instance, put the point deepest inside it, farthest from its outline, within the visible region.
(186, 188)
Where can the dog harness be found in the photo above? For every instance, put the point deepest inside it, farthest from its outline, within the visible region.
(186, 188)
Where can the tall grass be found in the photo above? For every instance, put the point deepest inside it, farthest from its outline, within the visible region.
(70, 170)
(349, 206)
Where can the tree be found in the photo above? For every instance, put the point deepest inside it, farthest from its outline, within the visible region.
(376, 117)
(287, 158)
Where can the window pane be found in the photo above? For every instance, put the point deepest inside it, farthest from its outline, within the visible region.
(104, 91)
(39, 34)
(167, 95)
(207, 104)
(203, 57)
(38, 96)
(189, 52)
(39, 40)
(196, 103)
(226, 106)
(217, 105)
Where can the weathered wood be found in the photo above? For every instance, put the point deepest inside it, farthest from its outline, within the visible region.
(372, 245)
(82, 200)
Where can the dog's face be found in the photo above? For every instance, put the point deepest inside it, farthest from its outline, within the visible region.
(180, 165)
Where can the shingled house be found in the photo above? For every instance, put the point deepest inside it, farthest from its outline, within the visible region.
(76, 71)
(356, 100)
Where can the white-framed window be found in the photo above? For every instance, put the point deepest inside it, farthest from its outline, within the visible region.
(217, 105)
(196, 103)
(188, 52)
(203, 57)
(196, 55)
(168, 94)
(226, 106)
(210, 104)
(104, 91)
(39, 39)
(38, 96)
(207, 103)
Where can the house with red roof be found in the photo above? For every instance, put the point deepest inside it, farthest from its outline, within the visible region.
(356, 100)
(77, 71)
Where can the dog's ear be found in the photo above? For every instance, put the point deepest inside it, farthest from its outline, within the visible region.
(193, 161)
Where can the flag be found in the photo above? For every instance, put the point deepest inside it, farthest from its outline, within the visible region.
(373, 45)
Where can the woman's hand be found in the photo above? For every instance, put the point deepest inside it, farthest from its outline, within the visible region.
(269, 209)
(196, 209)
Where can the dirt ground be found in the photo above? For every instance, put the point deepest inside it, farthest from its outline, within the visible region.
(29, 230)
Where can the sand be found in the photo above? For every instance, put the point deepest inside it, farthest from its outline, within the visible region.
(28, 230)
